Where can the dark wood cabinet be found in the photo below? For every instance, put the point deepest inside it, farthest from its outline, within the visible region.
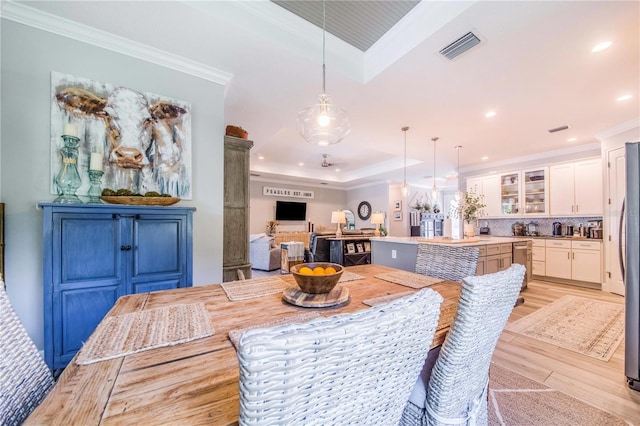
(94, 254)
(350, 251)
(235, 254)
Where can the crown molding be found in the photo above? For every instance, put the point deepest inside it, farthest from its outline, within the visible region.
(620, 128)
(45, 21)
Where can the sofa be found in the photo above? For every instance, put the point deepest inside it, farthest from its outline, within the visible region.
(263, 252)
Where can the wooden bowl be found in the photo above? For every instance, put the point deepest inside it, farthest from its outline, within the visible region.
(316, 284)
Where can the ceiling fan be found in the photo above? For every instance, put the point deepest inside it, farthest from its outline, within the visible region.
(325, 162)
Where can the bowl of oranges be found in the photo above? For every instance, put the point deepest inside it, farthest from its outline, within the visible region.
(315, 278)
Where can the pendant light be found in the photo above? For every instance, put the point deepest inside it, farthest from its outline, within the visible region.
(458, 191)
(323, 123)
(434, 190)
(405, 186)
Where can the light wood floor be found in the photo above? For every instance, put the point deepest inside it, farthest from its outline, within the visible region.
(598, 383)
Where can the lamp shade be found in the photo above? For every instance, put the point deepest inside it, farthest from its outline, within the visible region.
(338, 217)
(377, 218)
(323, 123)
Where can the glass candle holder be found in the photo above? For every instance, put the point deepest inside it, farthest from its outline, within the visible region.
(95, 190)
(68, 178)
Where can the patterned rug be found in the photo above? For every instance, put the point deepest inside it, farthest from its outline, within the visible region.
(589, 327)
(257, 287)
(122, 335)
(517, 400)
(408, 279)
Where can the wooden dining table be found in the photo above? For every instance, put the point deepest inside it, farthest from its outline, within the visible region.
(195, 382)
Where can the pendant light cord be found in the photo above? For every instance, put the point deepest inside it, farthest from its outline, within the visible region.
(324, 18)
(434, 161)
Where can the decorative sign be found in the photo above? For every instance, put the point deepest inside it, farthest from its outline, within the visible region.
(284, 192)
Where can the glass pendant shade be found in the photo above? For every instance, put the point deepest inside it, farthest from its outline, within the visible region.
(458, 195)
(405, 189)
(323, 123)
(434, 192)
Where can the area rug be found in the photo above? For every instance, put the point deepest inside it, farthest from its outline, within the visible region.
(257, 287)
(589, 327)
(517, 400)
(122, 335)
(408, 279)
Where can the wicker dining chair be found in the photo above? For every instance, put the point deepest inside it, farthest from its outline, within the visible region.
(24, 377)
(457, 384)
(446, 262)
(355, 368)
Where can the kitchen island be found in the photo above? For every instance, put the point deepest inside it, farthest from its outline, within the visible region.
(401, 252)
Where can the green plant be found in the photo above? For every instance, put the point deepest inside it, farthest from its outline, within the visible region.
(422, 207)
(470, 207)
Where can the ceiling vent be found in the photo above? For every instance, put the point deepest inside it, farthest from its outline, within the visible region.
(460, 46)
(558, 129)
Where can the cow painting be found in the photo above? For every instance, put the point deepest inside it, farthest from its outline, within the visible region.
(144, 141)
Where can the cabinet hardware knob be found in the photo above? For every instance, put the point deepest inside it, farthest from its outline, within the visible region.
(125, 248)
(114, 216)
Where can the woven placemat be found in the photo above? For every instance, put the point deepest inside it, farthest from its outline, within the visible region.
(386, 299)
(235, 334)
(256, 287)
(122, 335)
(408, 279)
(350, 276)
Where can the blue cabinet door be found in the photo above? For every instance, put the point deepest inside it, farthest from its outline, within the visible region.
(86, 278)
(158, 259)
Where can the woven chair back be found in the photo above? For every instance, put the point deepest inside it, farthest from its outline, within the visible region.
(355, 368)
(460, 376)
(446, 262)
(25, 379)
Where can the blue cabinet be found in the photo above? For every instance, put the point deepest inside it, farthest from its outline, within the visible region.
(95, 253)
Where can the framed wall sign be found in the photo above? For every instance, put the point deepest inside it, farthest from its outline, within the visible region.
(397, 205)
(397, 215)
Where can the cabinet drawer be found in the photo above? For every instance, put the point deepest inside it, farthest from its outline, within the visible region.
(558, 243)
(586, 245)
(538, 268)
(493, 249)
(538, 243)
(539, 254)
(506, 248)
(482, 251)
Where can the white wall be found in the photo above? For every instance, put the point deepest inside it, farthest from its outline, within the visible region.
(376, 195)
(319, 208)
(28, 57)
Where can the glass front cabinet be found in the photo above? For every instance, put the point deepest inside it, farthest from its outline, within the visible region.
(535, 191)
(525, 192)
(510, 193)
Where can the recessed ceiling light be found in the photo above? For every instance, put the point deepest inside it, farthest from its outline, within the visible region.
(490, 114)
(337, 170)
(301, 164)
(623, 98)
(260, 157)
(572, 139)
(485, 158)
(601, 46)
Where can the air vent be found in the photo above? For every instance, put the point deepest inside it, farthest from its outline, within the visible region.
(254, 174)
(460, 46)
(558, 129)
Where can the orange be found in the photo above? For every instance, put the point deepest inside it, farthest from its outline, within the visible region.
(305, 270)
(318, 270)
(330, 270)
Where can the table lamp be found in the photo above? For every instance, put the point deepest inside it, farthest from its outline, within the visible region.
(338, 217)
(377, 219)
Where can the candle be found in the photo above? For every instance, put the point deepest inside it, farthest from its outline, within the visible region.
(96, 161)
(70, 130)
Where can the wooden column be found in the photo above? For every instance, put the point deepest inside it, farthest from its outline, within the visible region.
(235, 254)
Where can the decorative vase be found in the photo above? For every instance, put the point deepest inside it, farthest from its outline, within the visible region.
(68, 178)
(468, 230)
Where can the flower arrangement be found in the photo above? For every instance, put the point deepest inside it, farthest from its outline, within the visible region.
(272, 226)
(422, 207)
(470, 207)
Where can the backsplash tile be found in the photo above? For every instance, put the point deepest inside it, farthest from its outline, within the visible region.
(502, 227)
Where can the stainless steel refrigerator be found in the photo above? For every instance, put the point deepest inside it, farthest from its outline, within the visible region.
(630, 263)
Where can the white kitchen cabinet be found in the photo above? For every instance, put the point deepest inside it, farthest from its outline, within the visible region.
(577, 260)
(576, 188)
(586, 261)
(558, 259)
(538, 257)
(535, 191)
(510, 193)
(489, 187)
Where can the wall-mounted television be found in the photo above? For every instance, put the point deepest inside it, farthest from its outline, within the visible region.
(290, 210)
